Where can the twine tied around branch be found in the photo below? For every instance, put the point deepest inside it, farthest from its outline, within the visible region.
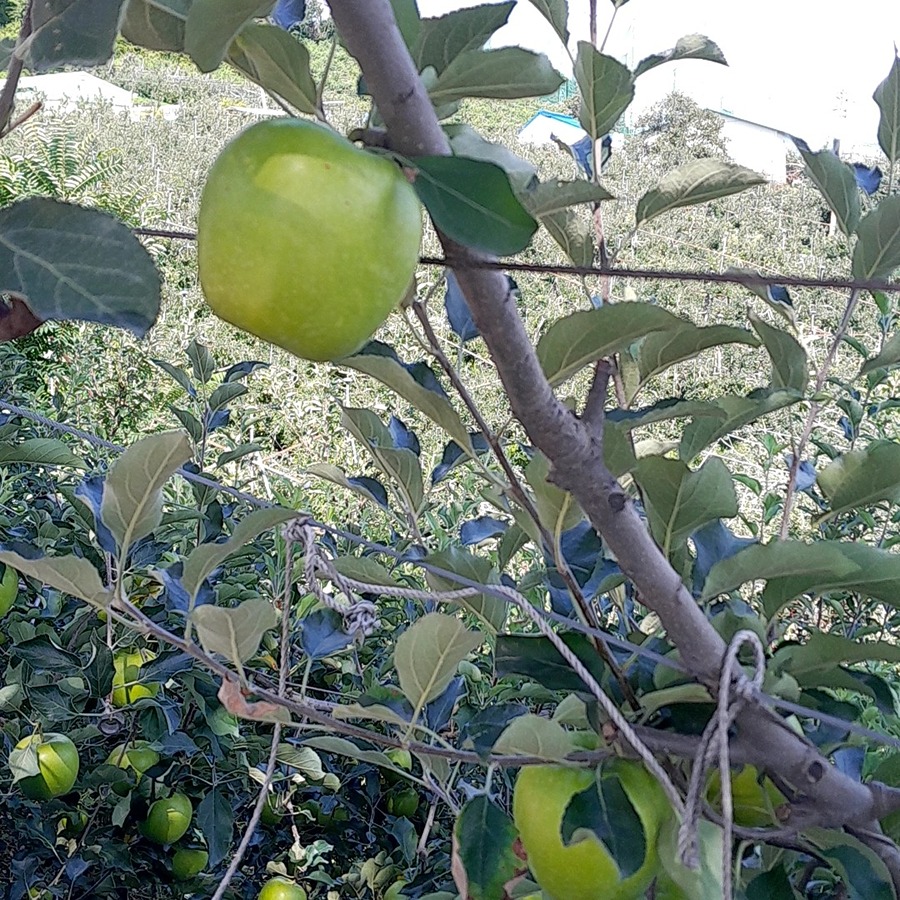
(360, 616)
(735, 690)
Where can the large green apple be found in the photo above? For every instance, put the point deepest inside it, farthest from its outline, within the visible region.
(305, 240)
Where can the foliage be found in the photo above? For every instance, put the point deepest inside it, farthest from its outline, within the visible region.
(766, 487)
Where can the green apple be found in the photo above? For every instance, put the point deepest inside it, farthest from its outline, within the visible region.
(57, 759)
(167, 819)
(188, 862)
(281, 888)
(305, 240)
(584, 870)
(126, 678)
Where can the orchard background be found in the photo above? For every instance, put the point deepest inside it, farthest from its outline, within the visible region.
(625, 470)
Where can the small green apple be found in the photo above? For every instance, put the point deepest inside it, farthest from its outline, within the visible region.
(305, 240)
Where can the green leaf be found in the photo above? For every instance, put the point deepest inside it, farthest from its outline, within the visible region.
(606, 88)
(573, 233)
(406, 12)
(156, 24)
(427, 653)
(836, 182)
(473, 203)
(887, 359)
(132, 495)
(226, 393)
(442, 39)
(863, 875)
(678, 501)
(69, 262)
(394, 376)
(239, 452)
(234, 632)
(791, 568)
(532, 735)
(534, 657)
(491, 610)
(549, 197)
(573, 342)
(698, 181)
(508, 73)
(466, 142)
(704, 883)
(206, 557)
(69, 574)
(40, 452)
(484, 837)
(71, 33)
(556, 12)
(216, 821)
(773, 884)
(343, 747)
(213, 24)
(337, 476)
(733, 413)
(304, 759)
(557, 510)
(662, 349)
(877, 251)
(822, 652)
(887, 96)
(363, 568)
(691, 46)
(790, 370)
(277, 62)
(862, 477)
(401, 466)
(203, 362)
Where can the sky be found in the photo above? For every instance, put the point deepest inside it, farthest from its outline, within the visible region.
(808, 67)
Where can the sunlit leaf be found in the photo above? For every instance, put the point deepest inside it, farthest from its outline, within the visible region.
(836, 182)
(69, 574)
(427, 653)
(698, 181)
(691, 46)
(877, 251)
(887, 96)
(40, 452)
(679, 501)
(573, 342)
(532, 735)
(549, 197)
(213, 24)
(132, 496)
(278, 62)
(507, 73)
(203, 559)
(790, 370)
(234, 632)
(442, 39)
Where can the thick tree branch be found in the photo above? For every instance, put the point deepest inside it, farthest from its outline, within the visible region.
(372, 37)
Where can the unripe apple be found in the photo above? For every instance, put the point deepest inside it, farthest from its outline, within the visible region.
(305, 240)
